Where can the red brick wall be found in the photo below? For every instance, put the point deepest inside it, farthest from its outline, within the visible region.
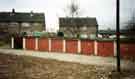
(30, 43)
(127, 50)
(57, 45)
(43, 44)
(87, 47)
(71, 46)
(105, 48)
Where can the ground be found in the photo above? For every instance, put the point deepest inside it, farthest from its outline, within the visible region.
(27, 67)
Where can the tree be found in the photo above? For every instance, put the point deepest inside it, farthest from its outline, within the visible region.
(73, 9)
(131, 25)
(60, 34)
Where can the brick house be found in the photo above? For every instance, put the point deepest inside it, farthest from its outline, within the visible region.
(124, 33)
(106, 33)
(71, 27)
(18, 22)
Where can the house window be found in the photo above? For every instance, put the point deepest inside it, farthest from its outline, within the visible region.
(25, 25)
(36, 24)
(84, 36)
(62, 29)
(84, 28)
(13, 24)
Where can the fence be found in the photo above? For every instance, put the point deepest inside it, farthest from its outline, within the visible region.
(77, 46)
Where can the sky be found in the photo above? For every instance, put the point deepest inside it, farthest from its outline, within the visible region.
(103, 10)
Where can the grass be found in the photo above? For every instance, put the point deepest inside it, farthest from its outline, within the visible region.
(26, 67)
(4, 44)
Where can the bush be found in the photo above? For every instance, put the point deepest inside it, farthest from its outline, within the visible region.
(60, 34)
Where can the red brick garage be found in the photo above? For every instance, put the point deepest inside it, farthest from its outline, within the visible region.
(127, 49)
(56, 45)
(30, 43)
(87, 47)
(105, 48)
(71, 46)
(43, 44)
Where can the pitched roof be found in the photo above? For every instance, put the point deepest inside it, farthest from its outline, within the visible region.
(21, 17)
(78, 21)
(106, 31)
(112, 32)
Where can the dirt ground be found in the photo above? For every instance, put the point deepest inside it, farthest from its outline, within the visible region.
(25, 67)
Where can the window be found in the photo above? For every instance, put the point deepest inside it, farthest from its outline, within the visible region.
(13, 24)
(84, 28)
(25, 25)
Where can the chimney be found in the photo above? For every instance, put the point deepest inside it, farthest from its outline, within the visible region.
(13, 10)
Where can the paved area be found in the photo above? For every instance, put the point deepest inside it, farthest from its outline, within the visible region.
(94, 60)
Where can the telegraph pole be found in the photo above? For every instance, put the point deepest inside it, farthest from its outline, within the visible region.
(118, 33)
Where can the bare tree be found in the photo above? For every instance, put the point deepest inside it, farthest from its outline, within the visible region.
(73, 9)
(131, 24)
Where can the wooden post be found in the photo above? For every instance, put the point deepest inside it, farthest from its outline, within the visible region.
(79, 46)
(64, 45)
(115, 47)
(118, 33)
(24, 43)
(49, 44)
(36, 43)
(95, 47)
(12, 42)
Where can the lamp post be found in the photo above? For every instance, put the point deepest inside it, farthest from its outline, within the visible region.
(118, 33)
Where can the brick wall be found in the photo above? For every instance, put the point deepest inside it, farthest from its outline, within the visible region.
(127, 49)
(43, 44)
(105, 48)
(71, 46)
(56, 45)
(30, 43)
(87, 47)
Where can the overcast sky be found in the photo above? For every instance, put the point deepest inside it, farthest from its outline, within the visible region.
(103, 10)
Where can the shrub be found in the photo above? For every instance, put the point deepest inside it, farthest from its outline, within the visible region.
(60, 34)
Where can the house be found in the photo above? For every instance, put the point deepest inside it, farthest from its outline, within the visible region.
(19, 22)
(78, 26)
(124, 33)
(106, 33)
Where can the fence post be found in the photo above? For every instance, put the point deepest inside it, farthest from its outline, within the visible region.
(115, 47)
(24, 43)
(49, 44)
(64, 45)
(79, 46)
(12, 42)
(95, 47)
(36, 43)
